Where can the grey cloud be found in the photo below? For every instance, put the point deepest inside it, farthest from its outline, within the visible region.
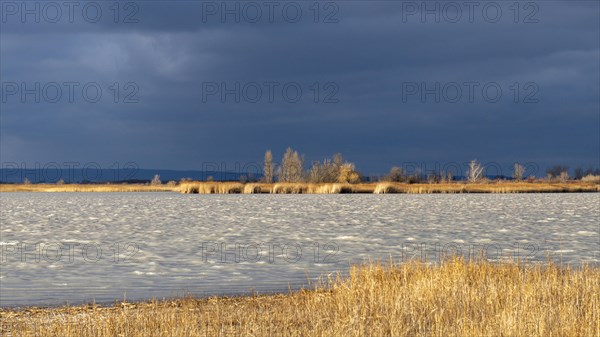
(369, 54)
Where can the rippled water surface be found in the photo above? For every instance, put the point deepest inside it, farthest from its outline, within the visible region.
(76, 247)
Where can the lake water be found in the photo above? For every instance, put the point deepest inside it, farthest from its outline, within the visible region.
(76, 247)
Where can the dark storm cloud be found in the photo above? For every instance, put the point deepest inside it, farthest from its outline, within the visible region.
(362, 64)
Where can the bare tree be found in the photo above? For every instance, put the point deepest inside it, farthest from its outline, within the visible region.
(337, 161)
(556, 170)
(519, 171)
(319, 173)
(578, 173)
(155, 180)
(330, 170)
(291, 169)
(348, 174)
(563, 176)
(333, 170)
(591, 171)
(396, 174)
(415, 178)
(445, 177)
(475, 171)
(268, 170)
(433, 178)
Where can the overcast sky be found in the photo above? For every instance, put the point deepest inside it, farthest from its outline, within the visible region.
(380, 81)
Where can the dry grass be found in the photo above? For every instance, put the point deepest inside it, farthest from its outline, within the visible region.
(211, 188)
(456, 298)
(304, 188)
(387, 187)
(86, 188)
(502, 187)
(590, 178)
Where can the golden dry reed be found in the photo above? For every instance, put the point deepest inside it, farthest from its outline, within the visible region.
(86, 188)
(454, 298)
(308, 188)
(385, 187)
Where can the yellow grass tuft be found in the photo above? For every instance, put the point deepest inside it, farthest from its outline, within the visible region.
(289, 188)
(455, 298)
(590, 178)
(384, 188)
(252, 189)
(211, 188)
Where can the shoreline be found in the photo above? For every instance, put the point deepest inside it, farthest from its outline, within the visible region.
(477, 298)
(322, 188)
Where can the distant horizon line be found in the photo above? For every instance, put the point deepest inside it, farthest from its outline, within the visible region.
(134, 174)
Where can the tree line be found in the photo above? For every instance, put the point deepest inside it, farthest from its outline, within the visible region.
(291, 170)
(337, 170)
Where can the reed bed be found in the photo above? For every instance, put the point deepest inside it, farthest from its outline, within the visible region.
(196, 187)
(212, 188)
(386, 187)
(453, 298)
(86, 188)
